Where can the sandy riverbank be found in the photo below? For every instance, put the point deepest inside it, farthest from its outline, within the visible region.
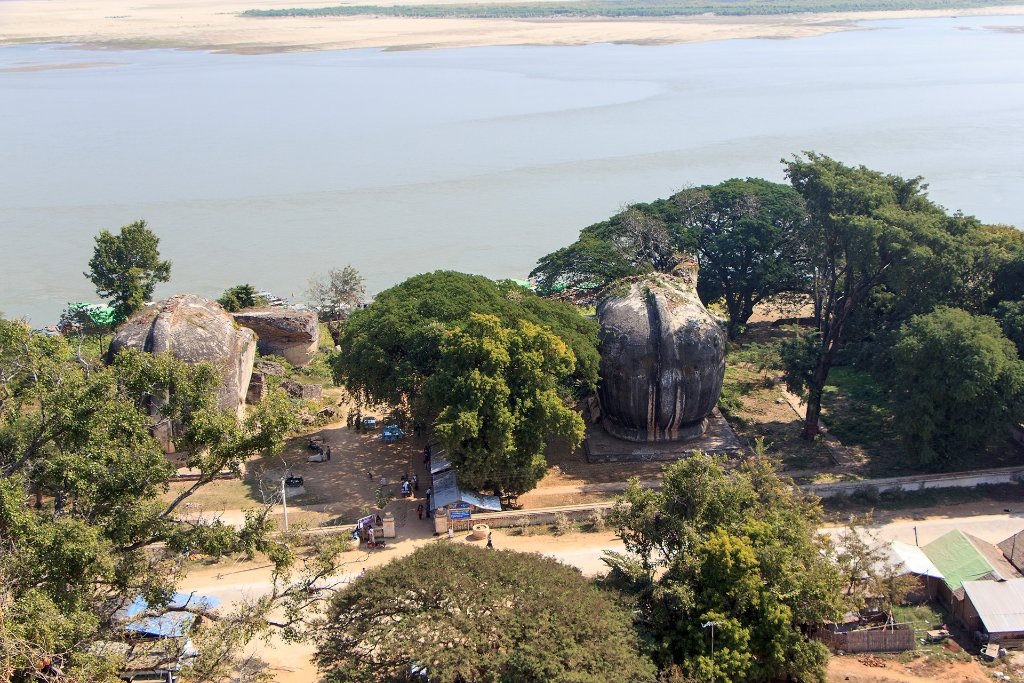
(217, 26)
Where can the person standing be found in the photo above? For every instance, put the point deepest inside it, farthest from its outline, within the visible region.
(419, 510)
(328, 454)
(415, 482)
(451, 533)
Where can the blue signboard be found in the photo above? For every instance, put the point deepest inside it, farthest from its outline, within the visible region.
(459, 511)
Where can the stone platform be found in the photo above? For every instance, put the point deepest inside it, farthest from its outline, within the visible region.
(718, 439)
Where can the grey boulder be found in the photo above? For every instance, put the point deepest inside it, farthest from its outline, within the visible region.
(293, 335)
(662, 358)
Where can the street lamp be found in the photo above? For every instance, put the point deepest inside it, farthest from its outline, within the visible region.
(712, 624)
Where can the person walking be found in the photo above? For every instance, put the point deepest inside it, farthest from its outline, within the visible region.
(419, 510)
(490, 545)
(328, 454)
(415, 482)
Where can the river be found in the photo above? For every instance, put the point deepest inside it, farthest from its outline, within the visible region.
(271, 168)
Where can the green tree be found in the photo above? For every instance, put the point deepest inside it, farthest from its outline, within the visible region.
(864, 227)
(636, 240)
(337, 294)
(739, 548)
(496, 394)
(747, 237)
(126, 267)
(1010, 315)
(469, 614)
(390, 349)
(83, 526)
(241, 296)
(958, 385)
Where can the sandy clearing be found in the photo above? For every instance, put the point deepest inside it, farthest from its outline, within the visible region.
(217, 26)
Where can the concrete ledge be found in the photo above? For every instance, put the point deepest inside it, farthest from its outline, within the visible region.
(919, 482)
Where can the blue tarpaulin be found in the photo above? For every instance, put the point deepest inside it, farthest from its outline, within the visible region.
(175, 622)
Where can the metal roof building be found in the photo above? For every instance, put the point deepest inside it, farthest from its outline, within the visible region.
(999, 606)
(911, 559)
(962, 557)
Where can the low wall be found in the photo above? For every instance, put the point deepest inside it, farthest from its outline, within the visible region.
(516, 518)
(998, 475)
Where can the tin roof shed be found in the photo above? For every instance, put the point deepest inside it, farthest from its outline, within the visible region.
(1000, 604)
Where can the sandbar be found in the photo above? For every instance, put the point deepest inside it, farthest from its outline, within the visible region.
(217, 26)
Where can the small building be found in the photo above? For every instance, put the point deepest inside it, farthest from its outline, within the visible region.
(996, 608)
(446, 494)
(962, 557)
(1013, 550)
(157, 643)
(910, 559)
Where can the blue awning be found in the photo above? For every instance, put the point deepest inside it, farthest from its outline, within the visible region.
(446, 491)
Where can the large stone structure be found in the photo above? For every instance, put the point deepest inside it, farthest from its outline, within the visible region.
(194, 330)
(662, 358)
(293, 335)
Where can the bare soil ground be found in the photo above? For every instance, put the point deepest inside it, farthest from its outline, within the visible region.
(872, 669)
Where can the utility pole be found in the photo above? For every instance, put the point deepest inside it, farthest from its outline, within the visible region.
(712, 624)
(284, 503)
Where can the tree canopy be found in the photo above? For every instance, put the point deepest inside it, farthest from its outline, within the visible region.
(958, 385)
(83, 525)
(496, 389)
(739, 548)
(393, 346)
(126, 267)
(745, 235)
(471, 614)
(866, 229)
(489, 364)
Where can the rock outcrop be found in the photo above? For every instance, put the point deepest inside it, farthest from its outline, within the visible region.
(307, 392)
(258, 388)
(293, 335)
(194, 330)
(662, 358)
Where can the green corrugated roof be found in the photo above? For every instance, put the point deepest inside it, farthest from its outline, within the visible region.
(956, 557)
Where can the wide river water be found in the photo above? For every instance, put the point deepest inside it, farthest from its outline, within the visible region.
(271, 168)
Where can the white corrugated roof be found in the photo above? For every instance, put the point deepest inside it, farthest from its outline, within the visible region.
(912, 559)
(1000, 604)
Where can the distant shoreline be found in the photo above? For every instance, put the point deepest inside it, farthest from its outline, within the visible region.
(220, 26)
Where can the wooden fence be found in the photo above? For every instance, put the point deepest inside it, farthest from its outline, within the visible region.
(896, 638)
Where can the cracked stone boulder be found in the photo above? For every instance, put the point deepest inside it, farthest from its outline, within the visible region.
(662, 358)
(293, 335)
(194, 330)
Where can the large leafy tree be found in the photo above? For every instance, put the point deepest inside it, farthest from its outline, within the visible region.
(958, 384)
(738, 548)
(496, 391)
(746, 235)
(83, 527)
(866, 229)
(638, 239)
(126, 267)
(392, 347)
(457, 613)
